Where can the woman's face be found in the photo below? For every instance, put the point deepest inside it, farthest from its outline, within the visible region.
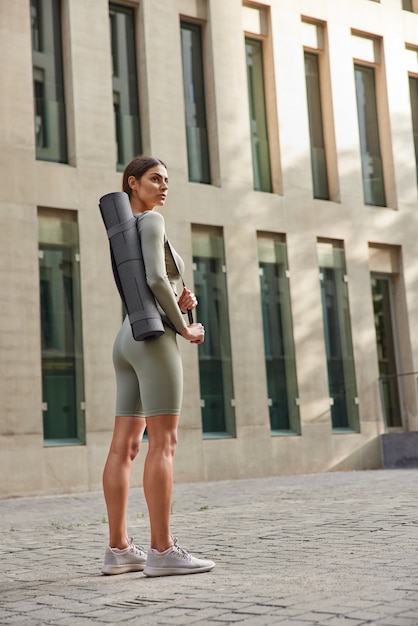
(150, 190)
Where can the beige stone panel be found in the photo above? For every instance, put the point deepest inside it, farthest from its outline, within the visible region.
(193, 203)
(356, 451)
(410, 27)
(384, 259)
(220, 458)
(397, 118)
(20, 380)
(193, 8)
(164, 86)
(286, 455)
(382, 225)
(247, 344)
(254, 452)
(362, 328)
(16, 88)
(308, 328)
(316, 447)
(18, 181)
(188, 460)
(21, 459)
(231, 92)
(56, 185)
(287, 31)
(65, 469)
(345, 113)
(89, 88)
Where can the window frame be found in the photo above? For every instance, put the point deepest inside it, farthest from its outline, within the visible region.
(284, 336)
(51, 114)
(268, 188)
(373, 68)
(66, 325)
(317, 55)
(205, 174)
(132, 99)
(342, 342)
(217, 335)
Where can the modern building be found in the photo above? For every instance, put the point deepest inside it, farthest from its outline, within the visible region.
(290, 131)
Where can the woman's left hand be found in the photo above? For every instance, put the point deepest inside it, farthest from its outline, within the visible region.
(187, 300)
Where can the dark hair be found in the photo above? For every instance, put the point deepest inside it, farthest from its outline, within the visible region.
(137, 167)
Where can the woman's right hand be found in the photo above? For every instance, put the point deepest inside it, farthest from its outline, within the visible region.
(195, 333)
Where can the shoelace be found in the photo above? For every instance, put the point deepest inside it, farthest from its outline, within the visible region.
(181, 551)
(134, 548)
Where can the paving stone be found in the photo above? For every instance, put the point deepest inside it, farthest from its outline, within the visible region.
(337, 549)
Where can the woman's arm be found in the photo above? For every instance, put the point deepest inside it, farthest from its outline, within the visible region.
(152, 230)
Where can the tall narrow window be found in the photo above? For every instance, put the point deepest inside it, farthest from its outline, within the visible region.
(413, 90)
(215, 364)
(258, 119)
(278, 335)
(48, 81)
(61, 335)
(337, 333)
(316, 129)
(371, 159)
(194, 100)
(125, 84)
(383, 294)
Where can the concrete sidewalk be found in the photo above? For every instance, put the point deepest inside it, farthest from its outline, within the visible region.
(327, 549)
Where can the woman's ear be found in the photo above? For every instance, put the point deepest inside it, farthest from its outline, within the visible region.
(131, 181)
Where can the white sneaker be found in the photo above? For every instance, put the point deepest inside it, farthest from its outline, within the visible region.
(173, 561)
(132, 559)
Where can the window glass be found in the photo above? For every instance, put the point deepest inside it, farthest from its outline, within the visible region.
(258, 118)
(61, 333)
(337, 334)
(386, 340)
(413, 90)
(194, 100)
(278, 335)
(371, 159)
(215, 363)
(48, 81)
(316, 130)
(125, 84)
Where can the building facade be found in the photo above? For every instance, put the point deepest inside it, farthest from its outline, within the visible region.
(290, 132)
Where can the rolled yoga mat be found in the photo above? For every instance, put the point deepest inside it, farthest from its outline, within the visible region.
(128, 266)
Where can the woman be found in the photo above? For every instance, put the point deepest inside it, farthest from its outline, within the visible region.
(149, 381)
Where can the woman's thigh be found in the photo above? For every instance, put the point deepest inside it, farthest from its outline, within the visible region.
(149, 375)
(160, 377)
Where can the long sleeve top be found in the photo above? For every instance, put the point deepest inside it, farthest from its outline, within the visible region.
(160, 270)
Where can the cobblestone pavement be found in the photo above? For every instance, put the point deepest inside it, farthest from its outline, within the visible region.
(328, 549)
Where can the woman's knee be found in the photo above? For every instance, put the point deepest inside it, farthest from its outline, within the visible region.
(125, 449)
(162, 434)
(127, 438)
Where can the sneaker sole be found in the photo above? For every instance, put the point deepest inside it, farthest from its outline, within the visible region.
(174, 571)
(113, 570)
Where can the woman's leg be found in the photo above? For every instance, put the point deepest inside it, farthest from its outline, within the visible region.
(158, 477)
(127, 436)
